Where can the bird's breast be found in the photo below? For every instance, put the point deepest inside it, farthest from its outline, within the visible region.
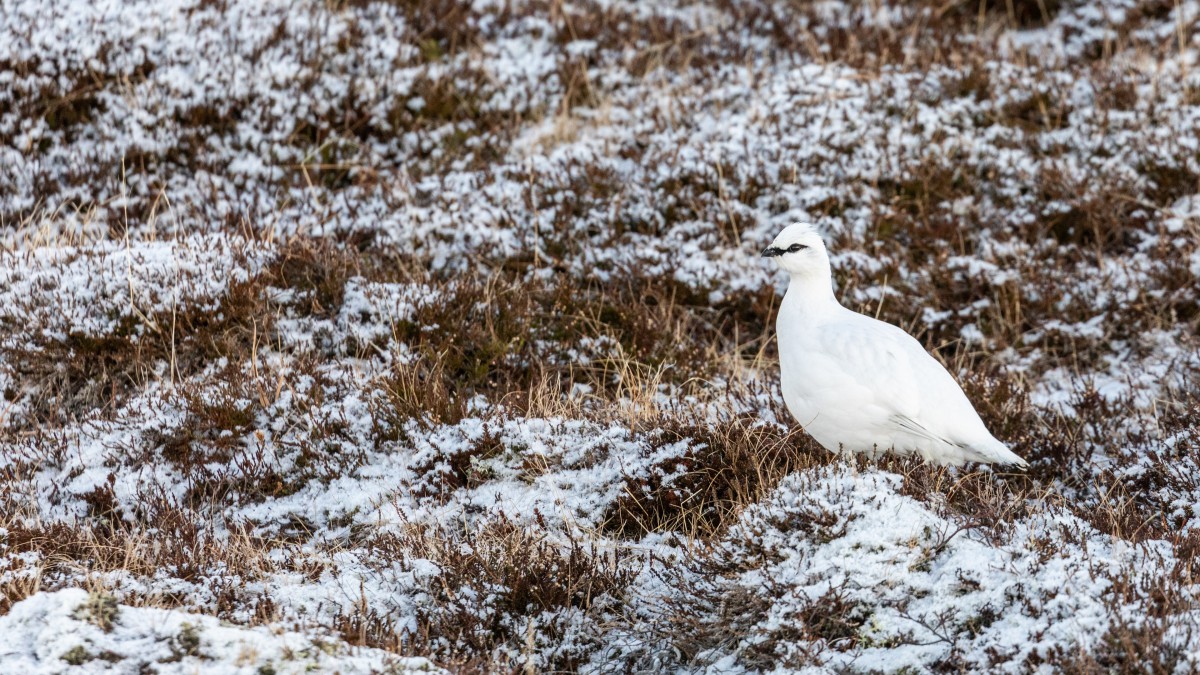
(801, 377)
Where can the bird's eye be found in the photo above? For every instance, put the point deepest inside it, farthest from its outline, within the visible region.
(796, 247)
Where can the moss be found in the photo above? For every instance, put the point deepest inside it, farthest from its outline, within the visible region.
(100, 610)
(188, 639)
(77, 655)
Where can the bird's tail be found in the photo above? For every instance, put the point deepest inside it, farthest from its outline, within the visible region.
(995, 452)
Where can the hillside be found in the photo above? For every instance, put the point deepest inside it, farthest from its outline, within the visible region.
(409, 335)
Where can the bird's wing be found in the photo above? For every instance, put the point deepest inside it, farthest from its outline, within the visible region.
(918, 395)
(884, 370)
(915, 428)
(876, 360)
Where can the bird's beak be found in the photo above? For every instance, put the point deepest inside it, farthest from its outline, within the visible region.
(772, 251)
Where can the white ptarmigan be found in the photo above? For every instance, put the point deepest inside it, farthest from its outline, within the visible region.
(857, 384)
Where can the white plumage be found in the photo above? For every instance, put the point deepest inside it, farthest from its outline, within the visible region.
(861, 385)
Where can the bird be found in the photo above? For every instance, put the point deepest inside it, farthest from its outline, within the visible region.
(860, 385)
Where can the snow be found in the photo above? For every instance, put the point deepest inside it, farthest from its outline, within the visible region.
(97, 290)
(156, 154)
(915, 578)
(55, 632)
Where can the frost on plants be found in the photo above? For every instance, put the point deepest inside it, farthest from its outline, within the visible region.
(374, 336)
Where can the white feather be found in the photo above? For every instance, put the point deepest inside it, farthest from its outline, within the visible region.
(861, 385)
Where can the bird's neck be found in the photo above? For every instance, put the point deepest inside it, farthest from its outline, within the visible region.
(810, 295)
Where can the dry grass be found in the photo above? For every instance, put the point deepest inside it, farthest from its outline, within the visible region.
(725, 467)
(498, 586)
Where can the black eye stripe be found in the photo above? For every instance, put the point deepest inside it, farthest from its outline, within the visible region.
(796, 247)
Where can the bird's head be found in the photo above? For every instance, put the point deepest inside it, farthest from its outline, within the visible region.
(800, 251)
